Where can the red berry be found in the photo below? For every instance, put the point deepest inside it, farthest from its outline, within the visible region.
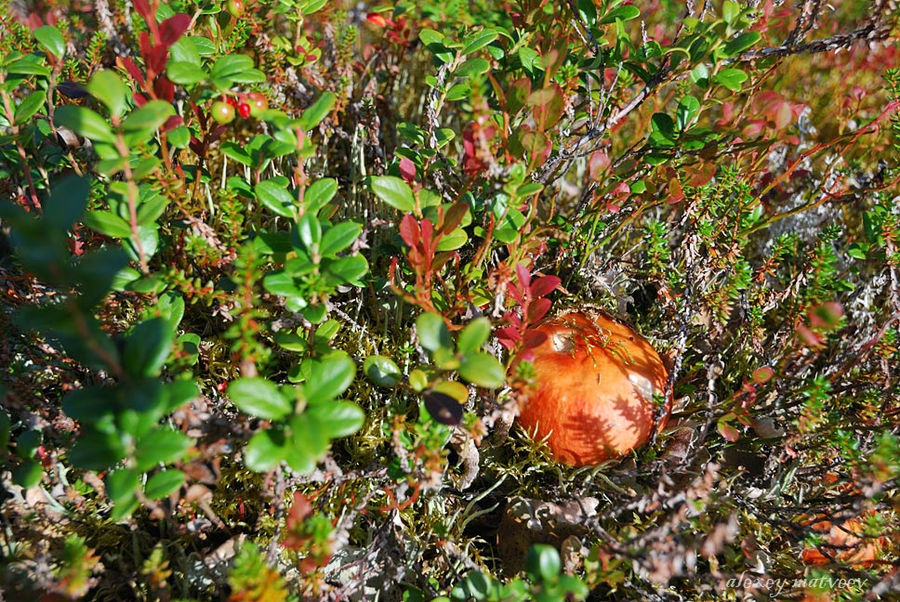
(244, 110)
(232, 101)
(258, 103)
(222, 112)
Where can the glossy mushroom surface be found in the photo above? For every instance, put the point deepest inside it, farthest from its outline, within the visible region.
(593, 394)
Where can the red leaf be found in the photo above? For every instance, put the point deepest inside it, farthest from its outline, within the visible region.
(515, 292)
(454, 217)
(131, 67)
(172, 28)
(527, 355)
(754, 128)
(809, 338)
(676, 193)
(164, 88)
(407, 170)
(508, 336)
(524, 275)
(538, 309)
(728, 431)
(156, 59)
(534, 338)
(513, 318)
(409, 230)
(826, 315)
(782, 115)
(441, 259)
(763, 374)
(428, 238)
(598, 164)
(171, 123)
(703, 174)
(143, 9)
(376, 20)
(544, 286)
(623, 190)
(146, 46)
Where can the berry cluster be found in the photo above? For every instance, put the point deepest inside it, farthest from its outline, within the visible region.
(253, 104)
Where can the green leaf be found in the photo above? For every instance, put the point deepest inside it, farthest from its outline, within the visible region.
(339, 237)
(339, 418)
(349, 269)
(623, 13)
(430, 36)
(234, 151)
(317, 111)
(184, 73)
(483, 370)
(382, 371)
(731, 11)
(276, 198)
(121, 483)
(319, 194)
(27, 443)
(95, 450)
(259, 397)
(84, 122)
(30, 105)
(281, 284)
(329, 378)
(28, 65)
(662, 130)
(163, 483)
(731, 79)
(107, 87)
(528, 57)
(51, 40)
(307, 444)
(309, 230)
(471, 67)
(66, 202)
(265, 450)
(588, 12)
(147, 347)
(5, 424)
(180, 392)
(180, 136)
(108, 223)
(479, 41)
(452, 241)
(443, 136)
(183, 51)
(395, 192)
(96, 272)
(231, 69)
(543, 563)
(742, 43)
(459, 91)
(28, 474)
(149, 117)
(686, 111)
(160, 446)
(433, 332)
(474, 335)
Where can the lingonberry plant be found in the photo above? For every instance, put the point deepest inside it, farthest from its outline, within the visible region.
(272, 275)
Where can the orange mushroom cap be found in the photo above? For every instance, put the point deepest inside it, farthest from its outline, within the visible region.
(593, 396)
(846, 542)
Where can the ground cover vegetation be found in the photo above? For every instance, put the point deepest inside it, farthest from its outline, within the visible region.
(272, 275)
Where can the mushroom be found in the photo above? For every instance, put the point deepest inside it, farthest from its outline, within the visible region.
(593, 398)
(844, 542)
